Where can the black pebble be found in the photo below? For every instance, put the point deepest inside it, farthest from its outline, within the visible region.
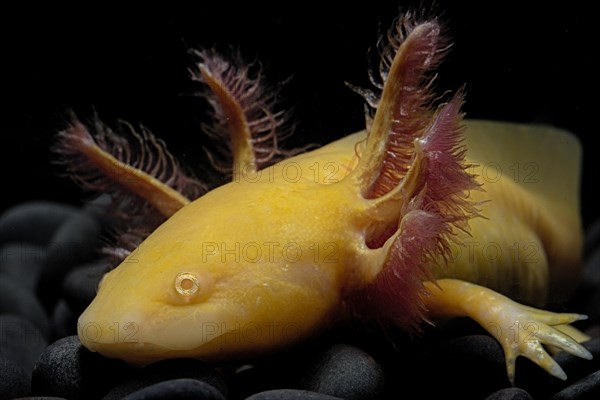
(63, 321)
(167, 370)
(280, 370)
(291, 394)
(18, 300)
(273, 374)
(74, 243)
(79, 286)
(33, 222)
(510, 394)
(586, 388)
(466, 367)
(22, 262)
(67, 369)
(41, 398)
(347, 372)
(21, 342)
(14, 382)
(177, 389)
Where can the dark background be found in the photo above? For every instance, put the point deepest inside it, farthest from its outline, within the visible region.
(519, 63)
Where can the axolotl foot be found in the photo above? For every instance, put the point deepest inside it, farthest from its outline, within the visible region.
(520, 329)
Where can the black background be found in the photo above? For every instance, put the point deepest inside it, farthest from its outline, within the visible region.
(521, 63)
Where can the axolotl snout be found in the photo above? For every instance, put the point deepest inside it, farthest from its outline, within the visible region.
(403, 222)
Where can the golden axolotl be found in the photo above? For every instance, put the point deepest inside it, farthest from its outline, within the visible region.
(420, 216)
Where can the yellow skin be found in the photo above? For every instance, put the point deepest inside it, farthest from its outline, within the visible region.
(268, 259)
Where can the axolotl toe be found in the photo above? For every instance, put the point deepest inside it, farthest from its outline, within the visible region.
(413, 219)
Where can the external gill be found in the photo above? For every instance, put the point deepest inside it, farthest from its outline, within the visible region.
(106, 162)
(413, 178)
(437, 175)
(144, 181)
(243, 114)
(416, 220)
(403, 111)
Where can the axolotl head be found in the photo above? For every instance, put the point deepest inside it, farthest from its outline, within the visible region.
(210, 283)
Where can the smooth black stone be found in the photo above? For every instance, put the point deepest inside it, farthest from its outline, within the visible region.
(177, 389)
(33, 222)
(270, 375)
(75, 242)
(167, 370)
(279, 370)
(586, 388)
(22, 262)
(510, 394)
(41, 398)
(14, 382)
(67, 369)
(79, 286)
(63, 321)
(291, 394)
(466, 367)
(347, 372)
(18, 300)
(21, 342)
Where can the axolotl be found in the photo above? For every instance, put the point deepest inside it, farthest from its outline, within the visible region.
(423, 215)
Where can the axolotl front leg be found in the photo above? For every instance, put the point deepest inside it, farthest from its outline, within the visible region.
(521, 330)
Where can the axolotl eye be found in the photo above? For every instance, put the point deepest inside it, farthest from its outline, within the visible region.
(191, 287)
(187, 284)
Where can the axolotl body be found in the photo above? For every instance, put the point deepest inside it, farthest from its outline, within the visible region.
(420, 216)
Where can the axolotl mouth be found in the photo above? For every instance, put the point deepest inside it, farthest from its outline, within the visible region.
(143, 343)
(142, 353)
